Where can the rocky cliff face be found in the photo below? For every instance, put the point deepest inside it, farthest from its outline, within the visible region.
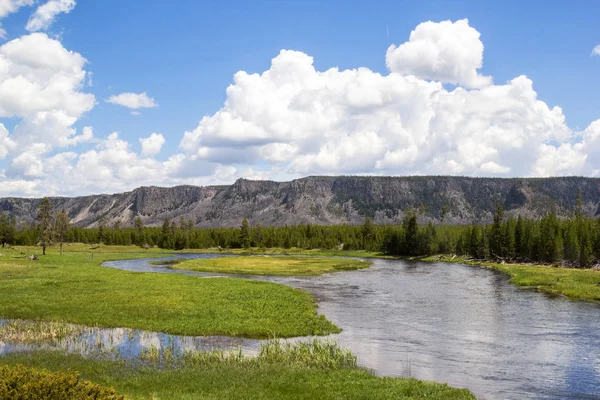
(325, 200)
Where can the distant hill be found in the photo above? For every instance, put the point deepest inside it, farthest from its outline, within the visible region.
(326, 200)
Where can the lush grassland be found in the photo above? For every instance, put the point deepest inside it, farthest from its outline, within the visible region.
(74, 288)
(272, 265)
(573, 283)
(327, 373)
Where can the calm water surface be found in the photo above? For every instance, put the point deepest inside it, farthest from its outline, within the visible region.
(461, 325)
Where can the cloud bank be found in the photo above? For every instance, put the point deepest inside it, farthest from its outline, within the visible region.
(434, 112)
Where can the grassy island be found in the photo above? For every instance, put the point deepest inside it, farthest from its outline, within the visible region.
(270, 265)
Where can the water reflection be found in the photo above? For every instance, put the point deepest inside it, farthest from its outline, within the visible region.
(23, 336)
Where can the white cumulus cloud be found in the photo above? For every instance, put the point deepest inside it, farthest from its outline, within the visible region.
(596, 51)
(152, 145)
(448, 52)
(45, 14)
(40, 82)
(306, 121)
(133, 100)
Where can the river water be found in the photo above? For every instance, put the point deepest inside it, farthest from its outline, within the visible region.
(451, 323)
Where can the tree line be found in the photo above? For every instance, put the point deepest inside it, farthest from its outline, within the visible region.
(573, 241)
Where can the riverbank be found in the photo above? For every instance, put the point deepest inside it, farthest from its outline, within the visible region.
(573, 283)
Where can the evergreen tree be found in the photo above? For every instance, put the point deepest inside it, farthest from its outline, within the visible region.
(368, 234)
(474, 243)
(62, 228)
(166, 238)
(584, 236)
(102, 235)
(8, 230)
(520, 239)
(257, 235)
(596, 240)
(550, 240)
(585, 246)
(411, 233)
(45, 224)
(497, 234)
(245, 234)
(570, 243)
(139, 227)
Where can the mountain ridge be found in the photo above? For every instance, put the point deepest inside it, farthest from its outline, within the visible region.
(325, 200)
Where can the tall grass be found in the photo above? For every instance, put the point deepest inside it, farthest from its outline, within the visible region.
(323, 354)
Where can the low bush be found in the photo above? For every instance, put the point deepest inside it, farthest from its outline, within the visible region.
(21, 383)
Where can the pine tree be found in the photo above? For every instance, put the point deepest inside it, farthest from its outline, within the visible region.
(411, 233)
(473, 242)
(62, 228)
(102, 235)
(45, 225)
(245, 234)
(497, 234)
(583, 234)
(520, 239)
(257, 235)
(596, 240)
(585, 246)
(550, 240)
(3, 229)
(139, 226)
(570, 243)
(166, 238)
(368, 233)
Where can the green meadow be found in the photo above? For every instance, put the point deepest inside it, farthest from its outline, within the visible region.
(74, 288)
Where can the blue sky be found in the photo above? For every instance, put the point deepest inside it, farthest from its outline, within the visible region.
(184, 55)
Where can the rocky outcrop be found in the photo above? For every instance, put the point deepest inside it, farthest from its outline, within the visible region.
(326, 200)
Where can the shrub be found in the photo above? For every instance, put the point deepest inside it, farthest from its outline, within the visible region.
(21, 383)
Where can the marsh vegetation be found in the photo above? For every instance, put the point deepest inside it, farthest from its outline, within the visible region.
(302, 371)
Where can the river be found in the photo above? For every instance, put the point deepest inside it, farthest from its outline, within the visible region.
(451, 323)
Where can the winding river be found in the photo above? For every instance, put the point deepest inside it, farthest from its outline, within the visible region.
(461, 325)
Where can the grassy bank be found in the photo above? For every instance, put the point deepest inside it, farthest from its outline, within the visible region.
(74, 288)
(273, 251)
(574, 283)
(279, 372)
(272, 265)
